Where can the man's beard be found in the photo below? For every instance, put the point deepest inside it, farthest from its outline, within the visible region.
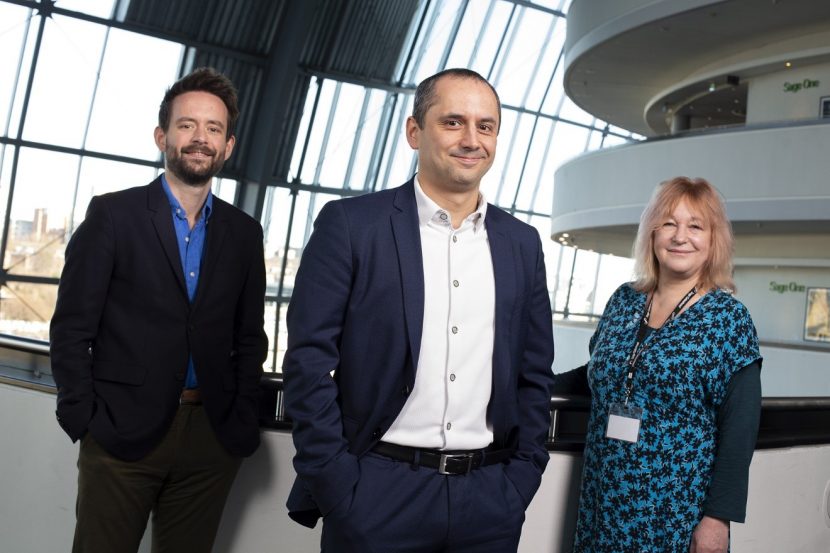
(191, 173)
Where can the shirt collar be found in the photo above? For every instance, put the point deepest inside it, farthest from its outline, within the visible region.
(428, 210)
(174, 203)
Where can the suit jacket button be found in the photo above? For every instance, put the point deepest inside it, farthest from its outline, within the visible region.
(376, 434)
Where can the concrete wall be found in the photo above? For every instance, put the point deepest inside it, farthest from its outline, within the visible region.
(788, 498)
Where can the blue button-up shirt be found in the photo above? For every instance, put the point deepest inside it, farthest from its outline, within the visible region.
(191, 245)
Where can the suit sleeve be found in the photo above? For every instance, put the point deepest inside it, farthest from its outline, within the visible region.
(82, 292)
(315, 323)
(535, 383)
(250, 340)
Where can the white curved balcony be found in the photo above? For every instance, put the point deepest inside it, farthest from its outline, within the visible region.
(775, 180)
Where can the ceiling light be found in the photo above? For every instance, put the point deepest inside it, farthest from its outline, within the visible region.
(788, 64)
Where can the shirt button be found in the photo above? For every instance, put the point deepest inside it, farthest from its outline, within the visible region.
(187, 239)
(452, 378)
(449, 425)
(455, 330)
(192, 274)
(455, 238)
(178, 210)
(443, 216)
(455, 283)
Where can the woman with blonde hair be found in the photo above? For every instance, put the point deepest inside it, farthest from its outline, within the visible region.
(674, 378)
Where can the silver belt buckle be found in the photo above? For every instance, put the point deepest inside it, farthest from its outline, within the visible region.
(442, 463)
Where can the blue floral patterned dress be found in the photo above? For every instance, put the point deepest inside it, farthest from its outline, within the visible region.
(647, 497)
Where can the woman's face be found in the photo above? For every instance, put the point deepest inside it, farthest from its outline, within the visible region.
(681, 243)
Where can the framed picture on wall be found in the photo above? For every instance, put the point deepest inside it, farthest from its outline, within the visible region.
(817, 315)
(824, 108)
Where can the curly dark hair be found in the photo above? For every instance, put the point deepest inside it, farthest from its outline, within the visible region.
(203, 79)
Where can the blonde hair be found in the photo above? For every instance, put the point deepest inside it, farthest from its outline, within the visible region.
(706, 201)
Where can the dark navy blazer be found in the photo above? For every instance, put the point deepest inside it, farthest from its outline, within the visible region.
(354, 335)
(124, 326)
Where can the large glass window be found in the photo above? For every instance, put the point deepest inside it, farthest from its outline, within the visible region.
(83, 124)
(78, 105)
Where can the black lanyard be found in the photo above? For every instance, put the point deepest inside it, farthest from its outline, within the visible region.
(640, 344)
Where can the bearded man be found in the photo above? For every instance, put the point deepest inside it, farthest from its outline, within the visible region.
(157, 340)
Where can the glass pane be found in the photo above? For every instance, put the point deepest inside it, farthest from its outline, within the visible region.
(100, 176)
(12, 41)
(275, 225)
(6, 156)
(551, 54)
(613, 272)
(399, 158)
(98, 8)
(309, 205)
(551, 249)
(514, 157)
(26, 309)
(582, 287)
(542, 201)
(294, 171)
(572, 113)
(491, 180)
(518, 68)
(41, 209)
(341, 136)
(277, 347)
(225, 189)
(480, 35)
(556, 95)
(562, 278)
(369, 128)
(318, 133)
(68, 62)
(533, 175)
(568, 141)
(436, 35)
(126, 107)
(24, 25)
(465, 48)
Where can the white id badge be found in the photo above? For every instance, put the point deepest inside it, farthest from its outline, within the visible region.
(624, 422)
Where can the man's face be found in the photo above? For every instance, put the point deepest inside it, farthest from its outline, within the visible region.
(457, 145)
(195, 145)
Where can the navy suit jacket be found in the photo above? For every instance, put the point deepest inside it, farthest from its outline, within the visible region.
(124, 327)
(354, 335)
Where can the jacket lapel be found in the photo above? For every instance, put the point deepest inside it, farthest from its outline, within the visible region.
(408, 244)
(163, 222)
(504, 275)
(214, 237)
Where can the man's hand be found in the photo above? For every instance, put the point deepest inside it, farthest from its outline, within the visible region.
(711, 535)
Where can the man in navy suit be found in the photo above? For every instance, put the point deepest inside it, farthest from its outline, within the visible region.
(418, 368)
(157, 340)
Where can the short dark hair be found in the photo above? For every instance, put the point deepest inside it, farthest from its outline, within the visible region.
(203, 79)
(425, 93)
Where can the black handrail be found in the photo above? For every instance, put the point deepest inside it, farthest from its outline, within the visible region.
(785, 421)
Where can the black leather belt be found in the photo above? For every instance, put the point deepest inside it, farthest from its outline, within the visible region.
(446, 462)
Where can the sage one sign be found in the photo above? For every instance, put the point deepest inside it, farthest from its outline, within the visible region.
(782, 287)
(795, 87)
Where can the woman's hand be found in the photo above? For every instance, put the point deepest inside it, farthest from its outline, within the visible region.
(711, 535)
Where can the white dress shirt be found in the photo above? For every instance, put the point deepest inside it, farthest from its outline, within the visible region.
(447, 408)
